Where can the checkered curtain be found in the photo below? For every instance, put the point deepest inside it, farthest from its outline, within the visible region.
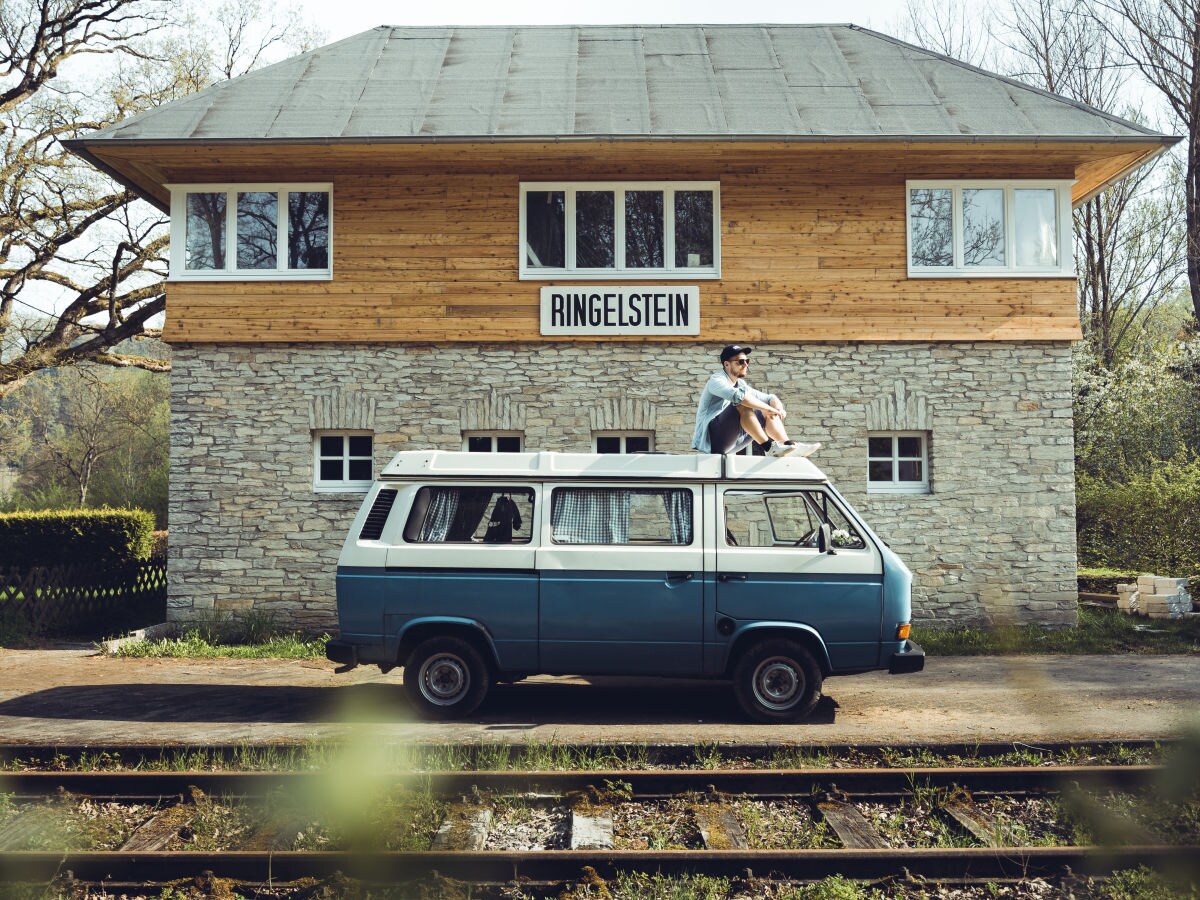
(590, 516)
(678, 505)
(442, 509)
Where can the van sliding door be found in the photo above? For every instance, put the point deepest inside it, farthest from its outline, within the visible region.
(620, 570)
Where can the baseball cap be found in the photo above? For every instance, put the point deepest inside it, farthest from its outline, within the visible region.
(733, 350)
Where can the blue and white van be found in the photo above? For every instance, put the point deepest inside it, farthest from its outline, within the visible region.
(472, 568)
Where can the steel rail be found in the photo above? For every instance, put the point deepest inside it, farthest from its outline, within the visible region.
(566, 865)
(642, 784)
(663, 754)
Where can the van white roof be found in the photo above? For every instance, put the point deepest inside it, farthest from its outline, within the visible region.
(548, 465)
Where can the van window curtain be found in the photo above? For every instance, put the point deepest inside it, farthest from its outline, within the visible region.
(442, 509)
(590, 516)
(678, 505)
(471, 506)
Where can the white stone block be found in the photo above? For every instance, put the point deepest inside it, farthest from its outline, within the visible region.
(1169, 585)
(1145, 584)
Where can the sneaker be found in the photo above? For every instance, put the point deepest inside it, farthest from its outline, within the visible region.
(805, 449)
(777, 449)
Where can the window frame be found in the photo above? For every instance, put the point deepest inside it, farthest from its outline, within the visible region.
(895, 486)
(493, 435)
(619, 272)
(321, 486)
(622, 435)
(1063, 223)
(496, 487)
(694, 502)
(807, 495)
(177, 267)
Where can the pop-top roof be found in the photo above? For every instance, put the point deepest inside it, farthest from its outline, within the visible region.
(551, 466)
(644, 82)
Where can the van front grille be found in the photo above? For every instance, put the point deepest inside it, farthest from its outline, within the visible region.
(376, 518)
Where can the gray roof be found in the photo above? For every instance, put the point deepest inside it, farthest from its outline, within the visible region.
(665, 82)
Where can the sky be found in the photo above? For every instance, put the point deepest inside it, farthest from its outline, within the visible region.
(342, 18)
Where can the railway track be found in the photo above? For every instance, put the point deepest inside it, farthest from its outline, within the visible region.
(842, 822)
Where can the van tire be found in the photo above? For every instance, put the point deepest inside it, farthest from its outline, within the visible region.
(777, 680)
(446, 678)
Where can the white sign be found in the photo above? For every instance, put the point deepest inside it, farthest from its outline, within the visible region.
(624, 309)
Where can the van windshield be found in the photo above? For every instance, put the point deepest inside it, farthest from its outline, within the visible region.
(785, 518)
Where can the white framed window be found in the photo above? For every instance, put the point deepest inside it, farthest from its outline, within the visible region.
(898, 462)
(622, 441)
(343, 460)
(247, 232)
(997, 229)
(493, 441)
(620, 229)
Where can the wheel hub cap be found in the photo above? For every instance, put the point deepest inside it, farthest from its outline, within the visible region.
(777, 683)
(444, 679)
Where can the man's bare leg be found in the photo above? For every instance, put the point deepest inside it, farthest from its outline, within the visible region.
(751, 425)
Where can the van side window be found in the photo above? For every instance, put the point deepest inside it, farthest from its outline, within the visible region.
(764, 518)
(621, 516)
(470, 515)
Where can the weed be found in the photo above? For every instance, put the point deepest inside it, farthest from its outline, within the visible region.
(708, 756)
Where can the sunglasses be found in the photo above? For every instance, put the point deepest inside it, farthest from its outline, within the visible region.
(740, 362)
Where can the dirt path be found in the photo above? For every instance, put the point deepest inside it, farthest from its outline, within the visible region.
(70, 697)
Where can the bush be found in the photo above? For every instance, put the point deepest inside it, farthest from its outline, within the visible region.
(108, 538)
(1149, 522)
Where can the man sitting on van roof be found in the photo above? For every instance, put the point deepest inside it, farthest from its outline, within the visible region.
(731, 413)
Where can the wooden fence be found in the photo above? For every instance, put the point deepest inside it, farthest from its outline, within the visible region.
(83, 599)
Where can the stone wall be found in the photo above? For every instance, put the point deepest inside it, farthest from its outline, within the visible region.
(994, 540)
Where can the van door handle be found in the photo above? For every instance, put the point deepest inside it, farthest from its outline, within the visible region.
(680, 576)
(731, 576)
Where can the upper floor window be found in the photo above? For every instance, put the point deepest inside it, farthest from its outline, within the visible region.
(1002, 229)
(897, 462)
(251, 231)
(665, 229)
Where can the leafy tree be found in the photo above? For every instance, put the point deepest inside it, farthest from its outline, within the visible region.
(69, 237)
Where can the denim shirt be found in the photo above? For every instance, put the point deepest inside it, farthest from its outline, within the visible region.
(718, 395)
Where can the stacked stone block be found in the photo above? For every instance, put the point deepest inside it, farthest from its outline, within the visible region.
(994, 540)
(1156, 597)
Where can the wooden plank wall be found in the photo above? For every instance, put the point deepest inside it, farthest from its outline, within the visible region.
(809, 253)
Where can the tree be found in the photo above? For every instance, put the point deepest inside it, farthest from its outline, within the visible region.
(1161, 39)
(69, 237)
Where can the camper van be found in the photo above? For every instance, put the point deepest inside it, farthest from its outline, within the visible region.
(468, 569)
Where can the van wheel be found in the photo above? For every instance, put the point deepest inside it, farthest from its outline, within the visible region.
(777, 681)
(446, 678)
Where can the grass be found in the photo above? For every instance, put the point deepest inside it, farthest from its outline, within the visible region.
(1100, 631)
(194, 645)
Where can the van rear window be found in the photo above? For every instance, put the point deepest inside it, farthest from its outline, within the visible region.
(621, 516)
(470, 515)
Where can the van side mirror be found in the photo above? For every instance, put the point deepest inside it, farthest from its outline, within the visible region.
(825, 539)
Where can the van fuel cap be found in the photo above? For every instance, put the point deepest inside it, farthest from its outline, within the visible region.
(725, 626)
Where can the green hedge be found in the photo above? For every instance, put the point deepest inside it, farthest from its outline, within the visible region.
(1147, 523)
(104, 537)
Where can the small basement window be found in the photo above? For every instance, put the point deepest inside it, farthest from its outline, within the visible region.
(898, 462)
(493, 441)
(343, 461)
(620, 230)
(622, 441)
(996, 229)
(245, 232)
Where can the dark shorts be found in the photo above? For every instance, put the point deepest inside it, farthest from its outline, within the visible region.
(725, 431)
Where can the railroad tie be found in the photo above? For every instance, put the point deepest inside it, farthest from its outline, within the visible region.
(980, 823)
(157, 831)
(719, 827)
(466, 827)
(855, 832)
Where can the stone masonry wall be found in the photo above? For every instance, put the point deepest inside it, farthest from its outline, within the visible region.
(993, 541)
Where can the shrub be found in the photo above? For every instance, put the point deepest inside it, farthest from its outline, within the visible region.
(1149, 522)
(109, 538)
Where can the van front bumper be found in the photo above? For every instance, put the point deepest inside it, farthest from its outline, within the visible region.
(910, 659)
(343, 653)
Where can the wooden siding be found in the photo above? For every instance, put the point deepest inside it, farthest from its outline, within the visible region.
(809, 253)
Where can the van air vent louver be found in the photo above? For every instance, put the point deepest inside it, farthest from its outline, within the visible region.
(376, 518)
